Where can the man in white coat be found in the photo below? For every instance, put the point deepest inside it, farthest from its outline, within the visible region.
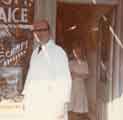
(48, 85)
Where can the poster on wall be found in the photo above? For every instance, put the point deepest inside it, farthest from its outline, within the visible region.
(16, 17)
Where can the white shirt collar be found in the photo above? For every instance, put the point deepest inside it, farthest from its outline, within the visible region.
(48, 44)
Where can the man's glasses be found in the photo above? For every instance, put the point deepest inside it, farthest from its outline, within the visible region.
(40, 30)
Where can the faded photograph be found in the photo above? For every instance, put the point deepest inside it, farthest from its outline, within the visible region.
(16, 37)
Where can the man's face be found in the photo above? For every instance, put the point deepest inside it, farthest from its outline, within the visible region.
(42, 30)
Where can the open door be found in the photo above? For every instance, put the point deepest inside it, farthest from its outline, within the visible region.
(105, 59)
(86, 24)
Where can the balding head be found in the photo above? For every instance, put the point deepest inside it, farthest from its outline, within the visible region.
(42, 29)
(41, 24)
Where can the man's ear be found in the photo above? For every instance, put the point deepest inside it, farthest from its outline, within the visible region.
(31, 27)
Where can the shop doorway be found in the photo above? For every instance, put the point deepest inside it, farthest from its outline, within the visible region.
(89, 24)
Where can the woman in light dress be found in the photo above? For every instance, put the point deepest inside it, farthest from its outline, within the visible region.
(79, 73)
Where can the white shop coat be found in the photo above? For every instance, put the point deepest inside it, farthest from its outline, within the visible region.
(48, 83)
